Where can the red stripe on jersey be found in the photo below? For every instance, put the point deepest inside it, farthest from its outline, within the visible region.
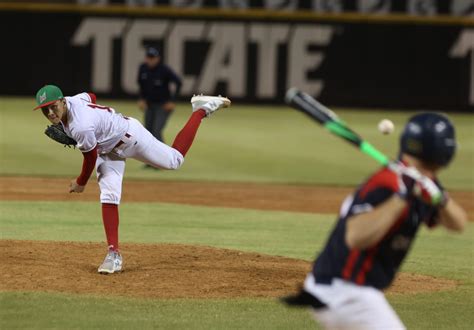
(366, 265)
(350, 262)
(93, 97)
(369, 259)
(382, 179)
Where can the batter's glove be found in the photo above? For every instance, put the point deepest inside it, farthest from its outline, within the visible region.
(432, 217)
(56, 132)
(303, 299)
(445, 198)
(414, 184)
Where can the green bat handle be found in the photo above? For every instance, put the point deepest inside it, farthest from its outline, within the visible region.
(331, 122)
(339, 128)
(370, 150)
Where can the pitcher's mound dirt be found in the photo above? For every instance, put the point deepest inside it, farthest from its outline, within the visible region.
(163, 271)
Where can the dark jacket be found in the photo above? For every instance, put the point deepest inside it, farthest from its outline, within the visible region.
(154, 83)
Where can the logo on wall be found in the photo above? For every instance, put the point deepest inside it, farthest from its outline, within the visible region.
(463, 47)
(210, 54)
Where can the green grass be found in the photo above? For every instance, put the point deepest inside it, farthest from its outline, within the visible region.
(439, 253)
(436, 253)
(244, 143)
(437, 310)
(296, 235)
(249, 144)
(68, 312)
(279, 233)
(20, 310)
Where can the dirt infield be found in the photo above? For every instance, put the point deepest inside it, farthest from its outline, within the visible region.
(171, 270)
(164, 271)
(295, 198)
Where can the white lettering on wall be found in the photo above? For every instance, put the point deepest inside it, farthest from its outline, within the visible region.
(301, 60)
(461, 48)
(226, 60)
(175, 50)
(267, 37)
(101, 32)
(133, 49)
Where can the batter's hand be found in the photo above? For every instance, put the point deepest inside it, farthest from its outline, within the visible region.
(414, 184)
(426, 194)
(74, 187)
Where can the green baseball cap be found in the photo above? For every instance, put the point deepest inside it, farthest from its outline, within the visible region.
(48, 95)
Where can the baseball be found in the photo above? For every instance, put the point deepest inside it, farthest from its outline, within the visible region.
(386, 126)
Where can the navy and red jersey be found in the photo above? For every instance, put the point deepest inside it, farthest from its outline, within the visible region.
(375, 266)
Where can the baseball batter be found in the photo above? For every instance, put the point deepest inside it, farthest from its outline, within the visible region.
(376, 227)
(107, 139)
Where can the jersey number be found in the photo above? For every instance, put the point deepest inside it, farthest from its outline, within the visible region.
(101, 107)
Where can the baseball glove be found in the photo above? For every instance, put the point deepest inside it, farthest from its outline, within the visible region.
(56, 132)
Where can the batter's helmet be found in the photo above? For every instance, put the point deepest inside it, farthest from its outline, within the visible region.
(430, 137)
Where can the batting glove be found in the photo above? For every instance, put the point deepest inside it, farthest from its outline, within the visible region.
(414, 184)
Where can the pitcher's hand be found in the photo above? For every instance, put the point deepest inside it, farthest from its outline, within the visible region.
(74, 187)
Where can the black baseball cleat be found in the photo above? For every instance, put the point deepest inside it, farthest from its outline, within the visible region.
(303, 299)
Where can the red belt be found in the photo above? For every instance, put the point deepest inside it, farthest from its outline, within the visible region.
(128, 136)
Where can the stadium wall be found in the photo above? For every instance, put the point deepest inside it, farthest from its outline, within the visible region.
(346, 60)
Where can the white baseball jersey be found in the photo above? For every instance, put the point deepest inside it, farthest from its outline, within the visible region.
(92, 124)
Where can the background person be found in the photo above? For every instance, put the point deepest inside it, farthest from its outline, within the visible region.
(156, 98)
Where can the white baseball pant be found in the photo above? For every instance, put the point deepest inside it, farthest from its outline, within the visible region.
(138, 144)
(351, 306)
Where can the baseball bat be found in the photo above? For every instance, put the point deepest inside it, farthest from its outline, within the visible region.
(324, 116)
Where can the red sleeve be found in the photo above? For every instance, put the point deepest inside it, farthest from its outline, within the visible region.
(93, 97)
(384, 178)
(88, 165)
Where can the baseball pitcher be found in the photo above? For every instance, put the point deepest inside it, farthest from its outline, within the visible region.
(376, 227)
(106, 139)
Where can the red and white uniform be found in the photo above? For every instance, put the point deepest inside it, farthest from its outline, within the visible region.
(107, 138)
(93, 125)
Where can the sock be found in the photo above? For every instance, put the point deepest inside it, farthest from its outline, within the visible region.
(110, 217)
(185, 137)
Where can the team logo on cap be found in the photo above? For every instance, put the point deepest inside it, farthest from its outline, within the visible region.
(42, 97)
(414, 128)
(414, 146)
(440, 126)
